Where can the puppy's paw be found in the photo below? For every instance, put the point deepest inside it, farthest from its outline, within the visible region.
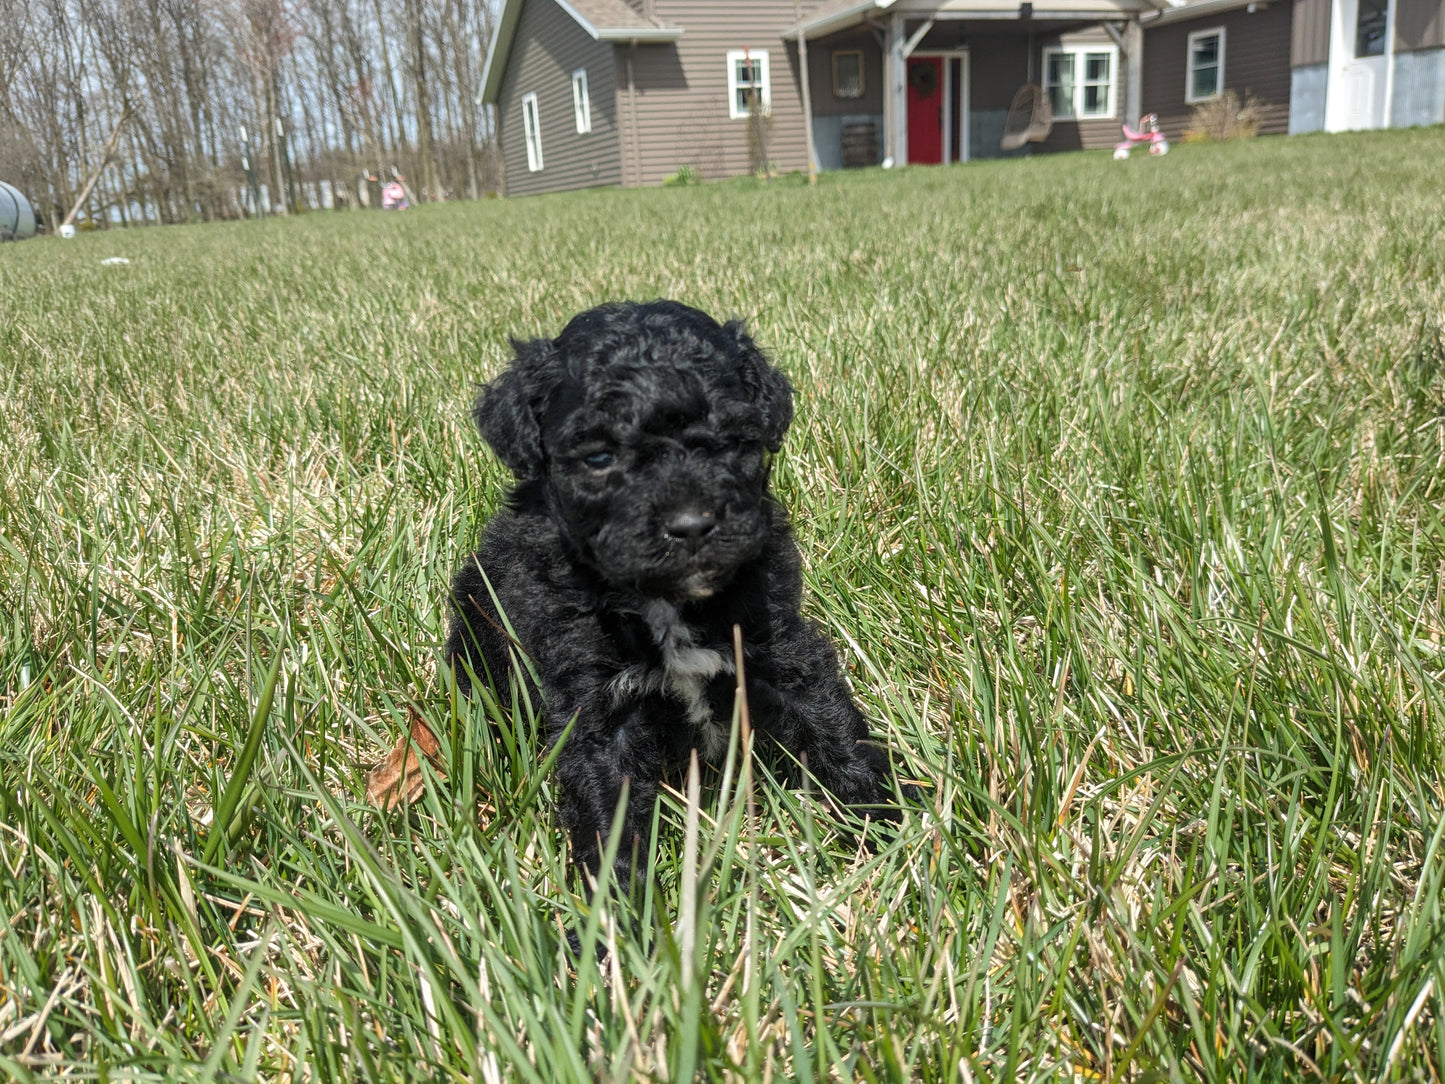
(888, 810)
(575, 951)
(891, 797)
(885, 815)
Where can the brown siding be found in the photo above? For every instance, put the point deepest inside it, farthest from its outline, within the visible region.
(1256, 51)
(549, 46)
(626, 106)
(1419, 24)
(1085, 134)
(682, 90)
(1310, 38)
(1082, 135)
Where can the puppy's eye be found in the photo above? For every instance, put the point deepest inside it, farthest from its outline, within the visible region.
(600, 460)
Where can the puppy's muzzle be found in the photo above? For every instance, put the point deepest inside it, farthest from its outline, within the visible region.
(690, 526)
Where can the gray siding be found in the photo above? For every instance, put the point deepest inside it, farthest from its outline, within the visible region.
(1307, 86)
(998, 65)
(820, 60)
(679, 92)
(1255, 47)
(1310, 37)
(549, 46)
(831, 113)
(1419, 24)
(1419, 88)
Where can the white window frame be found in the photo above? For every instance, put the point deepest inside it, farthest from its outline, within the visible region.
(765, 84)
(581, 103)
(1190, 97)
(1080, 54)
(532, 132)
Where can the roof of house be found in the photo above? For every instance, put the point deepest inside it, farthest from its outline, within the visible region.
(836, 16)
(615, 20)
(603, 20)
(597, 15)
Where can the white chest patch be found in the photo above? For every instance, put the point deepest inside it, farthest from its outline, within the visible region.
(684, 675)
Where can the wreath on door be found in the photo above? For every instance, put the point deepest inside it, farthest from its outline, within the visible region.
(923, 78)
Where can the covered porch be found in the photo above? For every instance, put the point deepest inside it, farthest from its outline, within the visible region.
(930, 82)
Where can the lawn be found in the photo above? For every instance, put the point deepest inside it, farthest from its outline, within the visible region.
(1119, 488)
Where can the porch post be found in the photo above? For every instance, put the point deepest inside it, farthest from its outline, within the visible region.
(897, 76)
(1389, 121)
(1133, 72)
(805, 79)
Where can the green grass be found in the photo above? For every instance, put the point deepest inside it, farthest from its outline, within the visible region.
(1119, 486)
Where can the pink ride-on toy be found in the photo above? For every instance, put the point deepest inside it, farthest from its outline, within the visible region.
(1148, 133)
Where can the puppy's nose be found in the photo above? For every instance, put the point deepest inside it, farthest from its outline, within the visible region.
(690, 525)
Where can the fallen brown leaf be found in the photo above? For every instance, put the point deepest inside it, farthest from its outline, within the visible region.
(399, 777)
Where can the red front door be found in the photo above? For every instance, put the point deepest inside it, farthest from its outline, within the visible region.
(925, 110)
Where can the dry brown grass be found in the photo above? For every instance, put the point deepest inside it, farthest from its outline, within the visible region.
(1224, 118)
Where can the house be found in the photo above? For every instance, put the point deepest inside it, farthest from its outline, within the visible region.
(946, 72)
(608, 92)
(1367, 64)
(1197, 51)
(1310, 65)
(605, 92)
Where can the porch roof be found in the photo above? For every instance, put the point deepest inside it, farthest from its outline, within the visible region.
(1195, 9)
(603, 20)
(846, 13)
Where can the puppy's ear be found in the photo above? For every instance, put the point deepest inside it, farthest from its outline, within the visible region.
(769, 387)
(509, 410)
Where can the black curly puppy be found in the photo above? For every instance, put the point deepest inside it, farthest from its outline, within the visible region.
(640, 532)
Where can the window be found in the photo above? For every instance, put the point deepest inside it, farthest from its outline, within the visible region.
(533, 132)
(1205, 76)
(847, 73)
(1079, 80)
(581, 104)
(748, 82)
(1370, 23)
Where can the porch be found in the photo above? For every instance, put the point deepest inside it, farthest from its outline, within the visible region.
(931, 83)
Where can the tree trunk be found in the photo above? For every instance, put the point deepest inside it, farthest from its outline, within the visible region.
(423, 101)
(398, 134)
(105, 156)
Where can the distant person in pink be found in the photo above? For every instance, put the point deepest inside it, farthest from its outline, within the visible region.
(393, 197)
